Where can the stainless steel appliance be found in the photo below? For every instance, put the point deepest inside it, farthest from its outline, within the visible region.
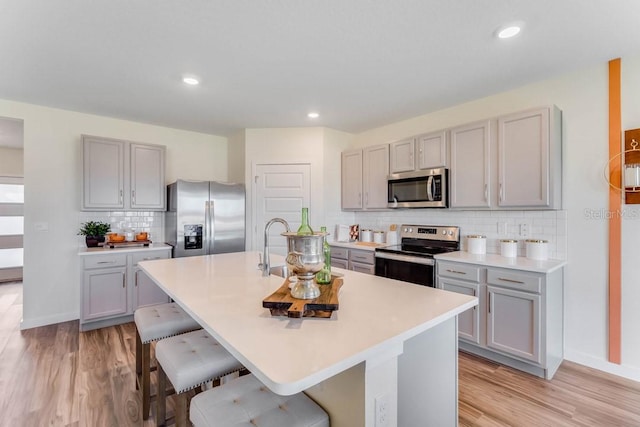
(412, 260)
(205, 217)
(426, 188)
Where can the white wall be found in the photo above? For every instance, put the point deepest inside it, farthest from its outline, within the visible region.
(583, 98)
(236, 158)
(11, 161)
(52, 194)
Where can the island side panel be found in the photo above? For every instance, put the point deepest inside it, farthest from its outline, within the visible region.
(428, 378)
(342, 397)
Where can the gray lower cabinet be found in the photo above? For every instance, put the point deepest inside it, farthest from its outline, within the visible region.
(113, 287)
(519, 318)
(363, 261)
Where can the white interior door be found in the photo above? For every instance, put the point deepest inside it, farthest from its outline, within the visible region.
(11, 228)
(281, 190)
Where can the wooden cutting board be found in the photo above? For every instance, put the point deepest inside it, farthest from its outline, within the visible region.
(281, 303)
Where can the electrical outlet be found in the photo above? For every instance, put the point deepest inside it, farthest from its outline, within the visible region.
(382, 411)
(525, 229)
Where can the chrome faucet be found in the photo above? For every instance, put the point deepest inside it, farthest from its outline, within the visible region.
(265, 265)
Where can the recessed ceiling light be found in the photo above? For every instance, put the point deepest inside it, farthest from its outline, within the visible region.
(191, 81)
(313, 115)
(508, 32)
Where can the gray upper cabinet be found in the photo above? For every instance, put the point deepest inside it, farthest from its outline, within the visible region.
(120, 175)
(147, 177)
(401, 155)
(470, 172)
(421, 152)
(431, 150)
(529, 156)
(103, 173)
(364, 178)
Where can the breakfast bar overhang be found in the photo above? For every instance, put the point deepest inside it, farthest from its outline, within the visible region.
(387, 357)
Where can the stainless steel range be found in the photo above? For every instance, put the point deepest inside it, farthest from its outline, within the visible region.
(412, 260)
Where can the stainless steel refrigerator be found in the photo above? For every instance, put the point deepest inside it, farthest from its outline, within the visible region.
(205, 217)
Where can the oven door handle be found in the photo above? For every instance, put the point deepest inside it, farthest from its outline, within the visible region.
(405, 258)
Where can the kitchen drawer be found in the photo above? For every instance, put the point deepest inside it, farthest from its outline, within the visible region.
(105, 261)
(362, 268)
(339, 263)
(146, 256)
(342, 253)
(515, 280)
(364, 257)
(460, 271)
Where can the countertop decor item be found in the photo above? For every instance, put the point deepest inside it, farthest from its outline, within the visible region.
(94, 232)
(509, 248)
(305, 258)
(477, 244)
(281, 303)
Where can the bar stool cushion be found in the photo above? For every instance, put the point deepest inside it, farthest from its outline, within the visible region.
(194, 358)
(163, 320)
(247, 402)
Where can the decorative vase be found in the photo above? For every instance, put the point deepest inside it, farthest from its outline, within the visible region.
(93, 241)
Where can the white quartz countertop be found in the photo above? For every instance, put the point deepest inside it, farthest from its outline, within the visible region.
(365, 246)
(495, 260)
(84, 251)
(224, 294)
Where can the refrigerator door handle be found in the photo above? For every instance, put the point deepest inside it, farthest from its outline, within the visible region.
(206, 231)
(212, 221)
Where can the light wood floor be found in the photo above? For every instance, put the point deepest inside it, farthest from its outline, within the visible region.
(57, 376)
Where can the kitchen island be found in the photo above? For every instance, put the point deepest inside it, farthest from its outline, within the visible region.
(389, 354)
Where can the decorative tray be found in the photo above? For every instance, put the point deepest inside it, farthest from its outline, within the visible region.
(281, 303)
(125, 243)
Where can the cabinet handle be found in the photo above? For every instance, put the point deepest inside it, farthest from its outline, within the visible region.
(510, 280)
(366, 198)
(489, 303)
(106, 262)
(150, 258)
(456, 271)
(501, 192)
(133, 197)
(136, 281)
(123, 284)
(486, 192)
(121, 195)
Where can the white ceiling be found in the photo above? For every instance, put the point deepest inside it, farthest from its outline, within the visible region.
(359, 63)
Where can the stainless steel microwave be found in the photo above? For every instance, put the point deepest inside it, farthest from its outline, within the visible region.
(426, 188)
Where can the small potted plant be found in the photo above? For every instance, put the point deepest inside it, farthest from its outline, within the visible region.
(94, 232)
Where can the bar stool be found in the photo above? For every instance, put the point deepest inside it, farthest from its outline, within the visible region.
(152, 324)
(246, 401)
(188, 361)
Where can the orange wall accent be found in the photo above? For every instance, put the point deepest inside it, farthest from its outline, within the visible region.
(615, 220)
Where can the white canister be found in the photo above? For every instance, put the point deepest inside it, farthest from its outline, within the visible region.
(537, 249)
(366, 235)
(477, 244)
(378, 236)
(392, 237)
(509, 248)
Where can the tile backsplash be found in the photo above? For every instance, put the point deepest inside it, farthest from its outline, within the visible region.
(151, 222)
(496, 225)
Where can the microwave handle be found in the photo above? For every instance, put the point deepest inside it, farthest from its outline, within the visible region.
(429, 188)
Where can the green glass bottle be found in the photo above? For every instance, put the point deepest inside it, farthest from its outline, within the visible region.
(305, 229)
(323, 277)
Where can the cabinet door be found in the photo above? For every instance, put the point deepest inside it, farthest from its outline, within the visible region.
(432, 150)
(523, 159)
(147, 177)
(146, 291)
(352, 179)
(468, 321)
(104, 293)
(513, 323)
(376, 171)
(103, 173)
(339, 263)
(401, 156)
(470, 166)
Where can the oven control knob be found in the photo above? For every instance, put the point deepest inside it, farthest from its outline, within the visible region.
(444, 232)
(408, 230)
(450, 233)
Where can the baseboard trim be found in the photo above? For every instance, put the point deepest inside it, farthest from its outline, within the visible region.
(629, 372)
(47, 320)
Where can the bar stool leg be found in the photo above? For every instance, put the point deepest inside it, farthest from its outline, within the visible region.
(182, 409)
(161, 403)
(146, 380)
(138, 359)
